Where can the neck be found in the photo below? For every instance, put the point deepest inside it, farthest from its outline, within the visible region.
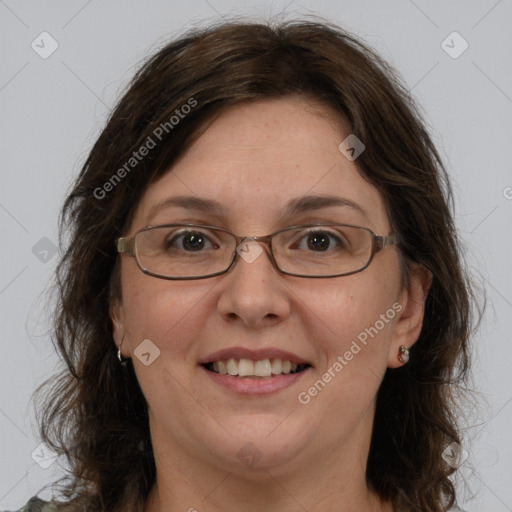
(229, 492)
(334, 480)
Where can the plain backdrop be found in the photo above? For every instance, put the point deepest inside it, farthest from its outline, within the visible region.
(53, 106)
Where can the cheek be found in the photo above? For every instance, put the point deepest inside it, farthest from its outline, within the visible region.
(354, 315)
(166, 312)
(352, 322)
(172, 316)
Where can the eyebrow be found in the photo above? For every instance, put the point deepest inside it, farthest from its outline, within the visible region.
(295, 206)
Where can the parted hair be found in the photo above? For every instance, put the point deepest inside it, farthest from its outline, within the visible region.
(93, 412)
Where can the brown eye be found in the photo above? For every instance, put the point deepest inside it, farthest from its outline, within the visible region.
(189, 241)
(193, 241)
(319, 241)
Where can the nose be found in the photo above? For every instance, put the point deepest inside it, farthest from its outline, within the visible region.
(253, 291)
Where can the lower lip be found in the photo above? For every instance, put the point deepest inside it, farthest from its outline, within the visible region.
(248, 386)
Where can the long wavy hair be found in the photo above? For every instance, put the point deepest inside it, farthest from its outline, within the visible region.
(94, 413)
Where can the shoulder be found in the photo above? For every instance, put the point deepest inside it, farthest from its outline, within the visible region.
(36, 504)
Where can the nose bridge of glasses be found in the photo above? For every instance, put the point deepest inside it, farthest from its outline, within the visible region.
(263, 239)
(249, 248)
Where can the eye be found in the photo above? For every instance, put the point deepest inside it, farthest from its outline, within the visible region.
(189, 241)
(319, 241)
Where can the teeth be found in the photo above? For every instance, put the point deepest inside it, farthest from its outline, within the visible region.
(276, 366)
(245, 367)
(222, 367)
(232, 367)
(262, 368)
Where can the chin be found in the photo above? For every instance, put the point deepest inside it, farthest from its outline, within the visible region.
(258, 445)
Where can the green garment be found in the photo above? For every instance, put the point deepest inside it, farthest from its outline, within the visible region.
(38, 505)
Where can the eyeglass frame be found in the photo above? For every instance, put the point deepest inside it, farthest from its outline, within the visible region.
(127, 246)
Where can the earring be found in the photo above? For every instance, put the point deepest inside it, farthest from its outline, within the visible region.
(122, 359)
(403, 354)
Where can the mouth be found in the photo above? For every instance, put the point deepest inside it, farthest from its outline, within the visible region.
(255, 369)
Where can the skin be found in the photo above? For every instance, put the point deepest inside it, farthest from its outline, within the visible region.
(253, 159)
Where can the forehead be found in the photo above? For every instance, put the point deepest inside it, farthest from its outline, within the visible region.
(255, 159)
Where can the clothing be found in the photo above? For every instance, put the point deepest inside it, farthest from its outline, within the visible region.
(36, 504)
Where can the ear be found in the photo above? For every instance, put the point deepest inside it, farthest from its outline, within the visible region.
(410, 317)
(117, 317)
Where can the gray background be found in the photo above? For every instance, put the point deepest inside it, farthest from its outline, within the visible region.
(53, 108)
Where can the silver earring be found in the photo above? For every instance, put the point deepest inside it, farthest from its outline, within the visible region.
(122, 359)
(403, 354)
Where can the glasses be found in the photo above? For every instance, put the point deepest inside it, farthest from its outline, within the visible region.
(195, 251)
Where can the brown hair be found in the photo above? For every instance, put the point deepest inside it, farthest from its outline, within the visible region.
(95, 413)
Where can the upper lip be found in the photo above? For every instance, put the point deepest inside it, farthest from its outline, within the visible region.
(252, 354)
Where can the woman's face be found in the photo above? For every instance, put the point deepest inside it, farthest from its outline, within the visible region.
(255, 160)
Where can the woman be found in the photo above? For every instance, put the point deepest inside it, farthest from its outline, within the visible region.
(262, 304)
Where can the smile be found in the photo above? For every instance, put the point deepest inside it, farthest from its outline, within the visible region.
(247, 368)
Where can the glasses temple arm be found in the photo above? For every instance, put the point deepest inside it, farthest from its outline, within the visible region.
(124, 246)
(385, 241)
